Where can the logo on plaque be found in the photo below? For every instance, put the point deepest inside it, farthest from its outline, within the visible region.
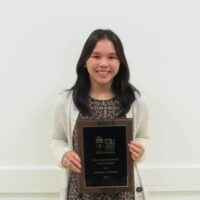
(109, 144)
(106, 144)
(99, 142)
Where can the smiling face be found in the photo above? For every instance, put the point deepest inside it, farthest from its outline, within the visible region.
(103, 64)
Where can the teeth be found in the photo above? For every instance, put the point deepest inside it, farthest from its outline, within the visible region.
(103, 72)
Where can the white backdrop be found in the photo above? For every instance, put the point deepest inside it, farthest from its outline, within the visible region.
(40, 42)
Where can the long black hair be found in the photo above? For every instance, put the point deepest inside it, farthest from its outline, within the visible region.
(123, 90)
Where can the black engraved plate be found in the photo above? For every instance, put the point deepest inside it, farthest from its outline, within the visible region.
(103, 148)
(105, 156)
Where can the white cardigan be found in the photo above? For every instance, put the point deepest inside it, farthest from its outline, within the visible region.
(60, 141)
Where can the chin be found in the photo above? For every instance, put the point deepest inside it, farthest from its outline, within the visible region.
(104, 83)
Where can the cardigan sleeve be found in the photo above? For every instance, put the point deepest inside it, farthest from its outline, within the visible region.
(58, 141)
(142, 134)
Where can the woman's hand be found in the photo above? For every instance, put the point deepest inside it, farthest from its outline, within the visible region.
(72, 161)
(136, 150)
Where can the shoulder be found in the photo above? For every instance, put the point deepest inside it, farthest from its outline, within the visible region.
(140, 97)
(64, 96)
(63, 99)
(140, 102)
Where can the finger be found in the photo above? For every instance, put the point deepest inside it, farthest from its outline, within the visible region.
(76, 159)
(75, 155)
(136, 144)
(135, 156)
(71, 157)
(138, 150)
(66, 156)
(131, 150)
(66, 162)
(138, 153)
(134, 148)
(76, 162)
(73, 167)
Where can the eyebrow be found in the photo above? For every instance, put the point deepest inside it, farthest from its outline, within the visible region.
(96, 52)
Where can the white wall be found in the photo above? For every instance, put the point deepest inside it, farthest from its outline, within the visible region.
(40, 42)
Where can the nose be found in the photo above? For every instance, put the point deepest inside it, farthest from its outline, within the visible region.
(103, 63)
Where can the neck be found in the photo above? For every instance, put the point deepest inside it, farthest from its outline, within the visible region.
(101, 92)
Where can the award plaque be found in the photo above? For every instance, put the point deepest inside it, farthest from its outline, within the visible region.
(105, 157)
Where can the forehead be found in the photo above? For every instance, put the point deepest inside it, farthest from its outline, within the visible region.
(104, 46)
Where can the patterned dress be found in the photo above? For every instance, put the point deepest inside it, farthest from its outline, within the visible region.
(100, 109)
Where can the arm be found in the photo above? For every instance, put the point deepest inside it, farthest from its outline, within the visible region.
(138, 148)
(58, 141)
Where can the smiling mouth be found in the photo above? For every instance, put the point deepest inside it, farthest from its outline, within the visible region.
(103, 72)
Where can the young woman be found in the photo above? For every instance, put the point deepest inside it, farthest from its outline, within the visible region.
(101, 91)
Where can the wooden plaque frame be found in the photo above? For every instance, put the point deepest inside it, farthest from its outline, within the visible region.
(117, 124)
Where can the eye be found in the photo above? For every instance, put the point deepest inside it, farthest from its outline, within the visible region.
(95, 56)
(112, 57)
